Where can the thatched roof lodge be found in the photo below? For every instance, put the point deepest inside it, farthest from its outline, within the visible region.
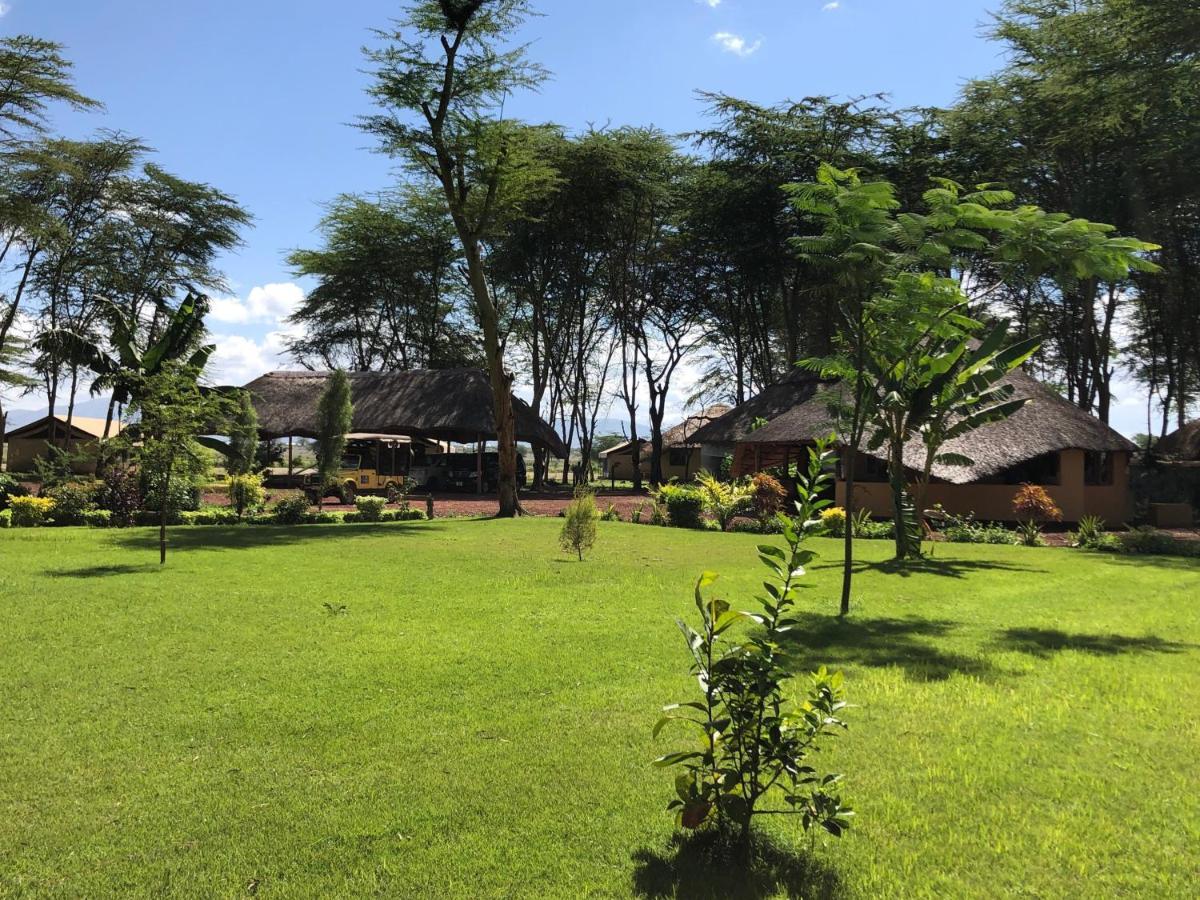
(1182, 445)
(1081, 461)
(682, 457)
(28, 443)
(440, 405)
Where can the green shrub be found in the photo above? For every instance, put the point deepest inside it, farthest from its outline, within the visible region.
(579, 530)
(965, 530)
(370, 509)
(756, 740)
(246, 493)
(5, 518)
(31, 512)
(610, 514)
(683, 505)
(10, 487)
(1151, 541)
(723, 500)
(351, 517)
(410, 515)
(1091, 535)
(291, 510)
(184, 495)
(767, 497)
(211, 515)
(73, 500)
(1029, 533)
(98, 518)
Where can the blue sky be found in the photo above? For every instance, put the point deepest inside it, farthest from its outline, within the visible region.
(257, 96)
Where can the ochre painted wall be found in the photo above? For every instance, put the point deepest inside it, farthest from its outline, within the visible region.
(620, 466)
(23, 452)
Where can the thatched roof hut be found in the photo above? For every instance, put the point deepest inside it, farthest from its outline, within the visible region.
(443, 404)
(797, 411)
(1182, 445)
(678, 437)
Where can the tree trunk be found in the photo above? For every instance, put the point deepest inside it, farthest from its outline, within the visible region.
(163, 502)
(502, 408)
(849, 461)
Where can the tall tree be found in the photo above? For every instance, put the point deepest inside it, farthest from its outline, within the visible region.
(442, 79)
(335, 412)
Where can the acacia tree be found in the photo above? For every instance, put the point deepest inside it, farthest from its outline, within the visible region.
(171, 409)
(442, 79)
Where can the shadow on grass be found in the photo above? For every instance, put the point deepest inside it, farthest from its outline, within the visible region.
(1044, 642)
(1186, 563)
(104, 571)
(702, 866)
(941, 567)
(906, 644)
(248, 537)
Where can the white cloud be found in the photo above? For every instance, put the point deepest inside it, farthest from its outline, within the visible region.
(711, 4)
(4, 8)
(271, 304)
(830, 7)
(735, 44)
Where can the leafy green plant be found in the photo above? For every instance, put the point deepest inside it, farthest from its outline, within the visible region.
(834, 521)
(579, 528)
(1091, 533)
(681, 506)
(246, 493)
(31, 512)
(1029, 533)
(73, 500)
(755, 741)
(723, 500)
(10, 487)
(370, 509)
(5, 518)
(610, 514)
(211, 515)
(1151, 541)
(291, 510)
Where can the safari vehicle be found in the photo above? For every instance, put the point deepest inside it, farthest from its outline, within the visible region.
(378, 464)
(460, 472)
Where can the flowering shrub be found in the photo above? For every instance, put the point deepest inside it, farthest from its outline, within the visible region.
(30, 512)
(834, 520)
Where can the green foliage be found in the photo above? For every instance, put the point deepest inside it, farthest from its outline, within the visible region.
(31, 512)
(243, 437)
(73, 500)
(611, 514)
(291, 510)
(723, 500)
(5, 518)
(1091, 535)
(966, 530)
(1150, 541)
(211, 515)
(98, 518)
(246, 493)
(370, 509)
(579, 528)
(680, 506)
(755, 741)
(335, 413)
(1029, 534)
(10, 487)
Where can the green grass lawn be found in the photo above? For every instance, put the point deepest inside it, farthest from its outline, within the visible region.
(477, 722)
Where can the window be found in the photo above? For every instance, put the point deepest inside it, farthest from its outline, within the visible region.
(868, 469)
(1098, 468)
(680, 457)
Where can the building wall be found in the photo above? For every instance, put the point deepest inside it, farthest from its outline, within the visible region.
(24, 452)
(993, 502)
(619, 466)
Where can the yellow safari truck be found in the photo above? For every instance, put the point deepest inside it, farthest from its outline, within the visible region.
(379, 464)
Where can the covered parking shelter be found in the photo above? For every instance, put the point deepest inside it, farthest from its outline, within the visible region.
(431, 405)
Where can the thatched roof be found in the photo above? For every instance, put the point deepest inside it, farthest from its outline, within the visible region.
(680, 436)
(1183, 444)
(443, 404)
(797, 411)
